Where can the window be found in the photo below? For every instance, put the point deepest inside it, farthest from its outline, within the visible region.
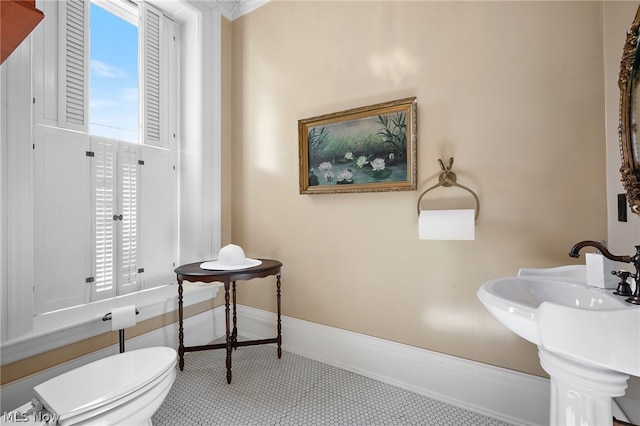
(112, 188)
(36, 109)
(113, 76)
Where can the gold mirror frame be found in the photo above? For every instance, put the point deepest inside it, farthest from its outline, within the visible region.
(628, 128)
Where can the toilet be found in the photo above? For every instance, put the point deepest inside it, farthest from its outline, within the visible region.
(123, 389)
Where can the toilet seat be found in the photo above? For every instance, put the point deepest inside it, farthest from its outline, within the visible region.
(107, 383)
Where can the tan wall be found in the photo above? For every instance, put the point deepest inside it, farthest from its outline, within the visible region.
(512, 90)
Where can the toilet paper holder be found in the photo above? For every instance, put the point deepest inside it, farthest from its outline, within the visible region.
(107, 317)
(448, 178)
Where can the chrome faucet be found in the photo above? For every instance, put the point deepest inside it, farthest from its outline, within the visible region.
(635, 260)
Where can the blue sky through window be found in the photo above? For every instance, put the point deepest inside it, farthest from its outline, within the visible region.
(113, 93)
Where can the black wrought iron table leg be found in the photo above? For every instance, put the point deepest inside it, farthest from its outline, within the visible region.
(279, 338)
(227, 333)
(180, 326)
(234, 333)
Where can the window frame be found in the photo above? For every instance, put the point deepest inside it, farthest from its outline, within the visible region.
(123, 9)
(27, 103)
(160, 38)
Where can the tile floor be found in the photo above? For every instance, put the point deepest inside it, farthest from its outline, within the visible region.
(296, 391)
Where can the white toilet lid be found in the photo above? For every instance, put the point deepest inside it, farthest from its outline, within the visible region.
(108, 379)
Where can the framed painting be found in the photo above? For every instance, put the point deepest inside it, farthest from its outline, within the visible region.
(365, 149)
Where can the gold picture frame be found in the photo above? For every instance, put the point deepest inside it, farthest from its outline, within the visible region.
(366, 149)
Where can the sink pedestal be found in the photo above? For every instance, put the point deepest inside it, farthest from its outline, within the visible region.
(581, 394)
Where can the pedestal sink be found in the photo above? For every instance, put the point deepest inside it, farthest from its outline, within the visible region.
(588, 340)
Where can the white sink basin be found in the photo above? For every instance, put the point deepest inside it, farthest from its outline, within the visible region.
(585, 323)
(588, 338)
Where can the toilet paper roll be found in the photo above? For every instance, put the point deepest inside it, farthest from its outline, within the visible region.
(123, 317)
(447, 224)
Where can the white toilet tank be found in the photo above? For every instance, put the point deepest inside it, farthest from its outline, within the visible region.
(129, 385)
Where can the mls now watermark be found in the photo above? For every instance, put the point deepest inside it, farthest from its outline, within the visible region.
(40, 416)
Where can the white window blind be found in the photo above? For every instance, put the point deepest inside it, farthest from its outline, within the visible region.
(73, 71)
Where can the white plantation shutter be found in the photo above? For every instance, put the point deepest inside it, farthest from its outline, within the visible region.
(62, 226)
(151, 22)
(73, 65)
(158, 225)
(157, 71)
(116, 180)
(105, 207)
(128, 235)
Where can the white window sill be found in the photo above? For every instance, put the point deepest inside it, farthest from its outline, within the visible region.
(59, 328)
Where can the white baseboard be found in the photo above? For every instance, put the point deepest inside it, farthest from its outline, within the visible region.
(516, 398)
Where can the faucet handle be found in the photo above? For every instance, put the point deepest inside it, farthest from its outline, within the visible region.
(622, 274)
(624, 289)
